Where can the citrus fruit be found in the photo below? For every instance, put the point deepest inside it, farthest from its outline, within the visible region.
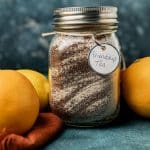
(136, 86)
(41, 85)
(19, 103)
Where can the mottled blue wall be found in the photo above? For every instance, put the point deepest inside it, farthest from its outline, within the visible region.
(23, 21)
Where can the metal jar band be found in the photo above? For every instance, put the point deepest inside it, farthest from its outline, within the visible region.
(102, 19)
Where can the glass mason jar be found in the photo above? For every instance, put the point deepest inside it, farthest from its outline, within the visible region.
(84, 65)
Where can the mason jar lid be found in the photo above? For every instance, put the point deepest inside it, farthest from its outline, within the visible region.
(83, 18)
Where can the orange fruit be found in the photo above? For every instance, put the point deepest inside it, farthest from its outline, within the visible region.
(136, 86)
(41, 85)
(19, 103)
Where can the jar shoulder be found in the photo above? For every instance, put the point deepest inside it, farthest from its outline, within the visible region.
(62, 42)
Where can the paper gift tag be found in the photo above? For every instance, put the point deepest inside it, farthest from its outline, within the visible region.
(104, 59)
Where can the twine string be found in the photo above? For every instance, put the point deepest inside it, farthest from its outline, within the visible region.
(87, 34)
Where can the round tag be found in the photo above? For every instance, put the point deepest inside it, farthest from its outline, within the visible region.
(104, 59)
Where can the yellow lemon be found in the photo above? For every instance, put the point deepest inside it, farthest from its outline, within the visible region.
(19, 103)
(136, 86)
(41, 85)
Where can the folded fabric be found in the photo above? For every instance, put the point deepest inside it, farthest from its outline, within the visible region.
(44, 130)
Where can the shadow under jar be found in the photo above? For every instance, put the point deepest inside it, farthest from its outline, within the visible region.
(80, 95)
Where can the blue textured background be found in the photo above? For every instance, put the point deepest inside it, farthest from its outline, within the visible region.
(128, 132)
(132, 135)
(23, 21)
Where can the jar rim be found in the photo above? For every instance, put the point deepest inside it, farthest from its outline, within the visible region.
(79, 17)
(83, 10)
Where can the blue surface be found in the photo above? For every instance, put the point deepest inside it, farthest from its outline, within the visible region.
(132, 134)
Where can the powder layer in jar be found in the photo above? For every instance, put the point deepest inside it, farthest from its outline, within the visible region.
(79, 95)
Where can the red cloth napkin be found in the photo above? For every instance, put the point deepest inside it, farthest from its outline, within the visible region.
(44, 130)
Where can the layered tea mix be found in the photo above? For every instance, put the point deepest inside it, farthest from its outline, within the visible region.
(80, 95)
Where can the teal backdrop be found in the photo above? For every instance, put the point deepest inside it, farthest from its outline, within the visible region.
(23, 21)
